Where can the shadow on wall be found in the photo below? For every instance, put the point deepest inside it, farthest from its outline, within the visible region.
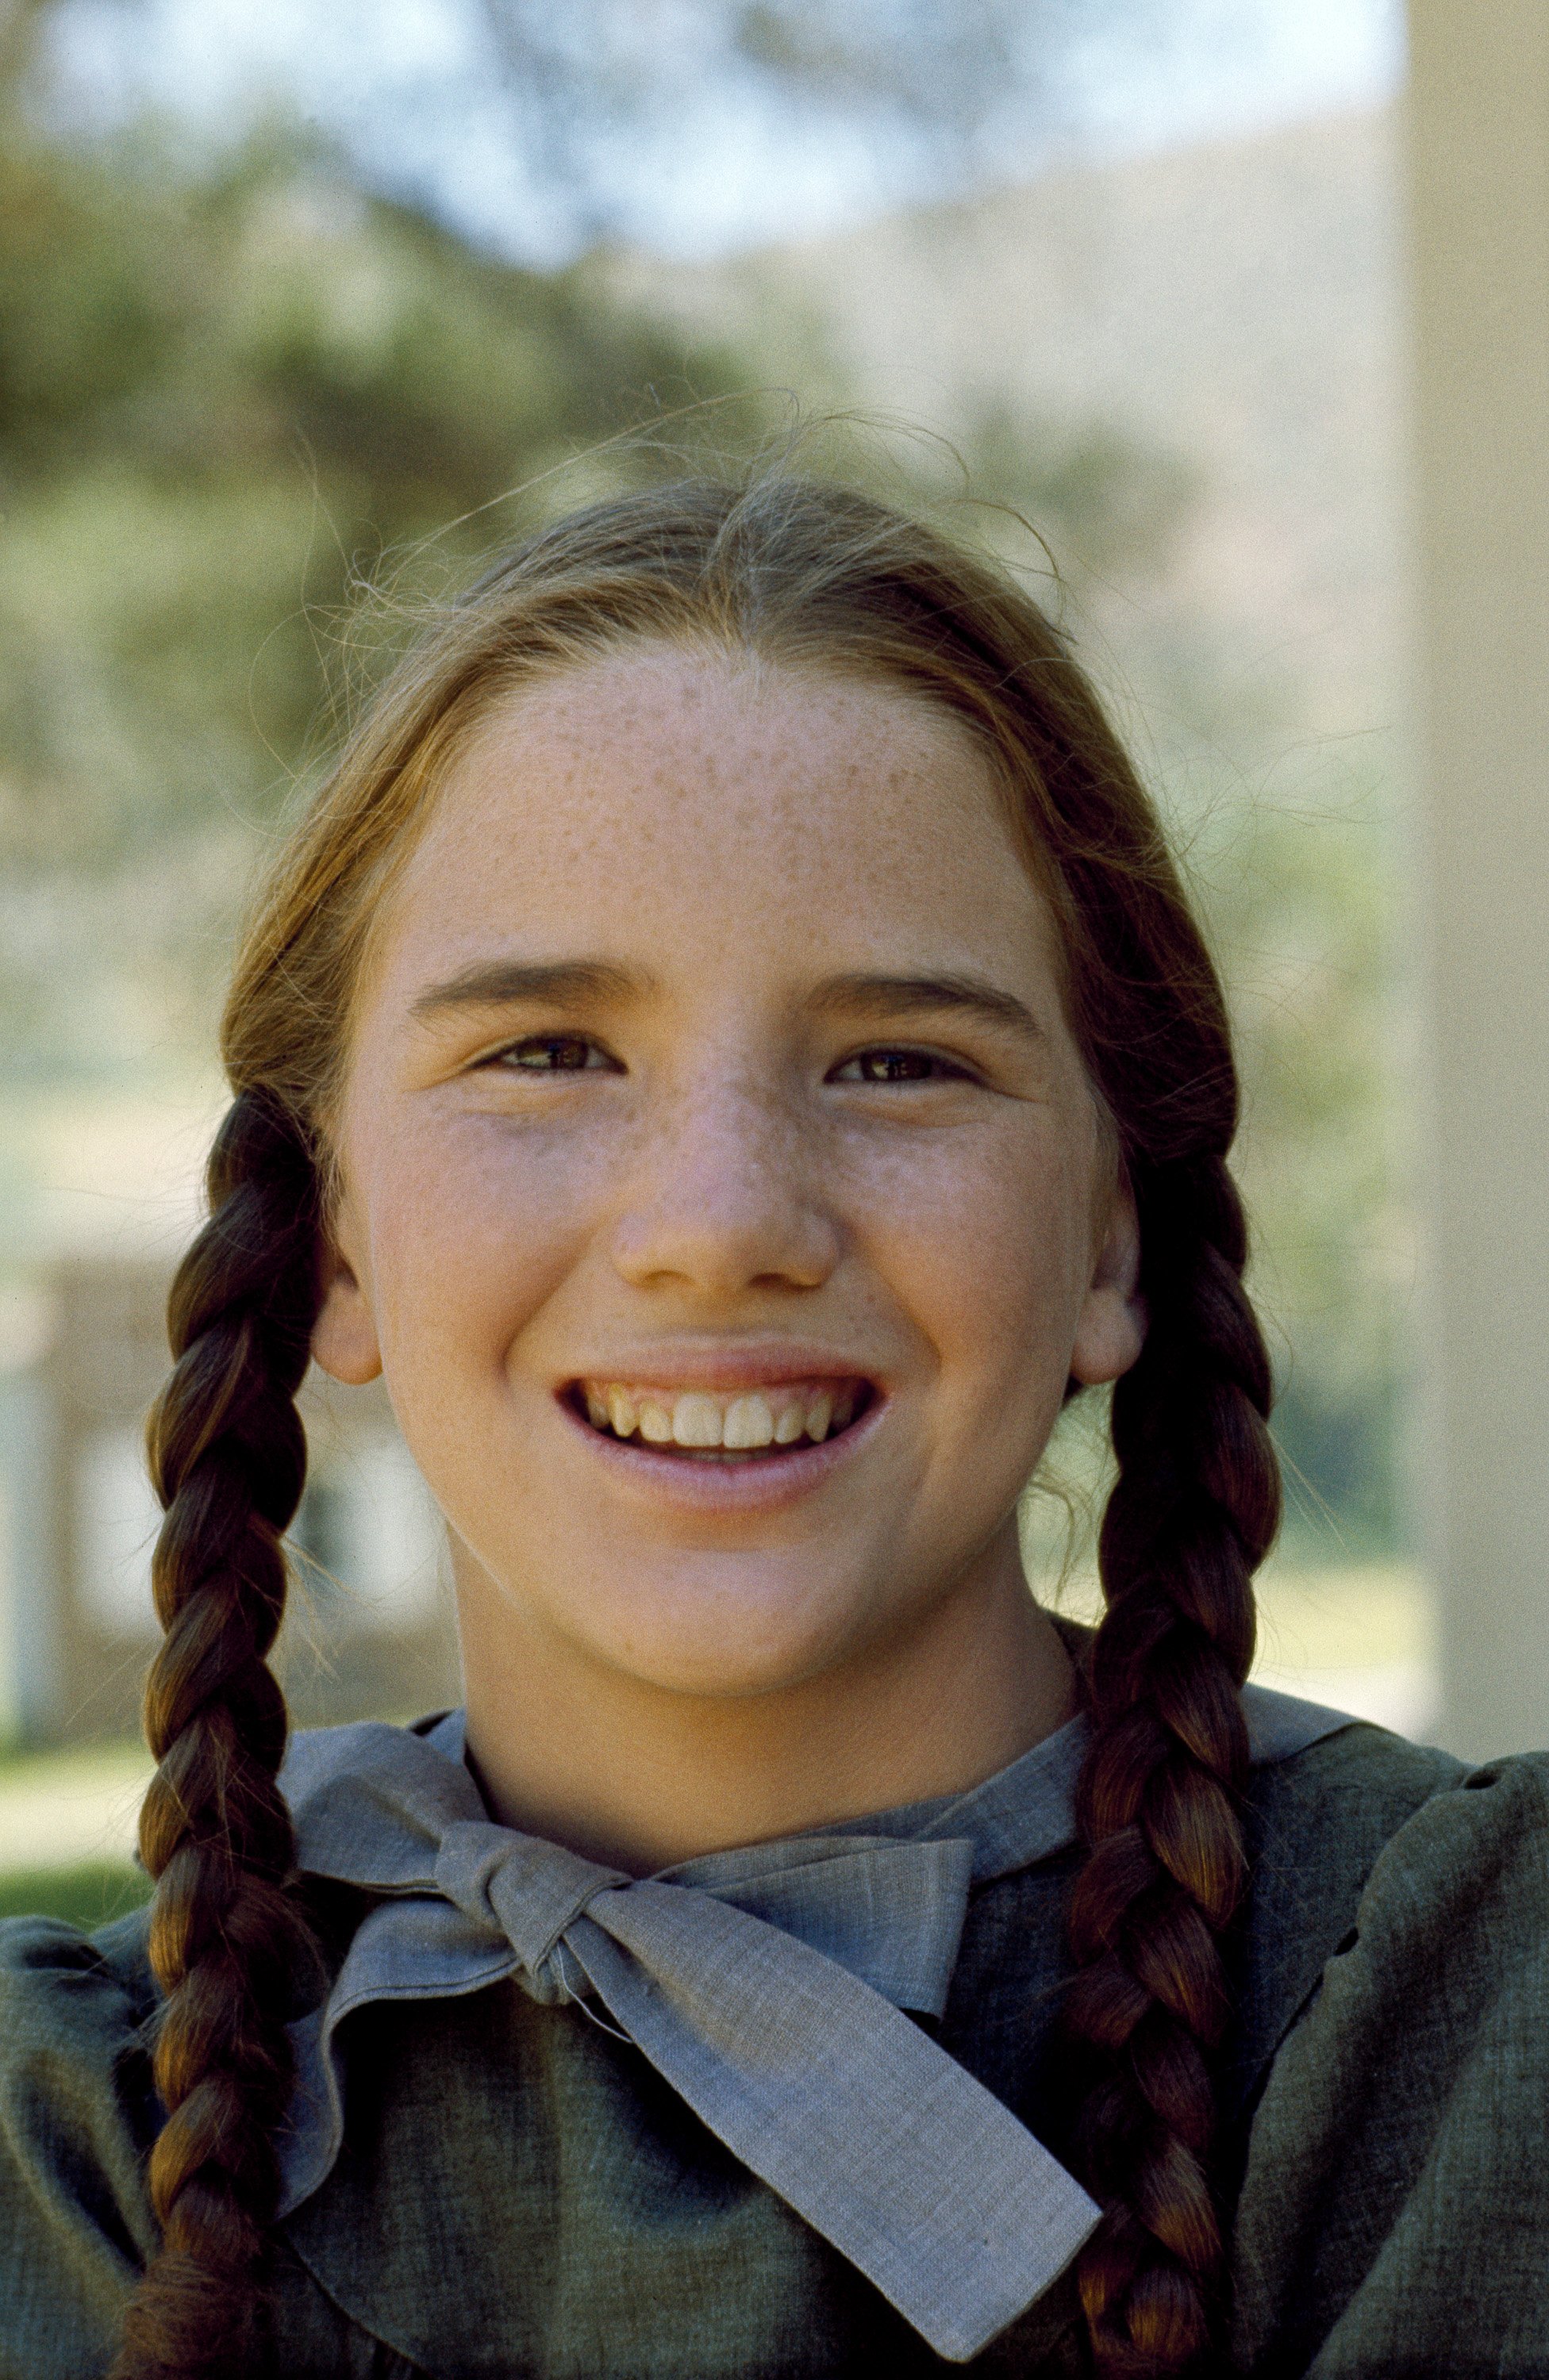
(370, 1630)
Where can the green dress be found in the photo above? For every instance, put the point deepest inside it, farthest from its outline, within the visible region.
(519, 2193)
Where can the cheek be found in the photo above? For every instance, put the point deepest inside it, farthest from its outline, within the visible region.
(470, 1235)
(986, 1248)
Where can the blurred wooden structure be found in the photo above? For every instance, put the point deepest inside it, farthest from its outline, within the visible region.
(369, 1628)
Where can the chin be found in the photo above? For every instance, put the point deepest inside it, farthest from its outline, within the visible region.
(684, 1663)
(692, 1622)
(722, 1642)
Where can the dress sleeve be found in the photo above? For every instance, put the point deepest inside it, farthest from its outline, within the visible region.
(1395, 2212)
(77, 2114)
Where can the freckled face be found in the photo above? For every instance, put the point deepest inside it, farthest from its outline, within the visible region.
(710, 1063)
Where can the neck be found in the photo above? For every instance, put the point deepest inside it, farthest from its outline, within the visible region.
(639, 1777)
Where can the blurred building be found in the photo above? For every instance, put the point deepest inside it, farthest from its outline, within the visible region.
(370, 1630)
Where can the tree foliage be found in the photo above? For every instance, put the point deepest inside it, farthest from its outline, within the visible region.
(222, 401)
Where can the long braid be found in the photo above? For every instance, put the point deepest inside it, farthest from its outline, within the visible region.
(1194, 1509)
(228, 1458)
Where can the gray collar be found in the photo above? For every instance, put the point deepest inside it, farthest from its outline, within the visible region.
(765, 1985)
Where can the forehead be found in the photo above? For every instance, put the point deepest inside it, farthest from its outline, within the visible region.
(674, 799)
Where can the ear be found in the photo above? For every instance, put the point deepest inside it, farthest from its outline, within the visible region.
(1111, 1330)
(344, 1336)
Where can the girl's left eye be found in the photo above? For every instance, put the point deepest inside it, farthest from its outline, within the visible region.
(551, 1054)
(900, 1066)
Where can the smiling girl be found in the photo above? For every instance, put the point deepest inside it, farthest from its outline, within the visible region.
(729, 1046)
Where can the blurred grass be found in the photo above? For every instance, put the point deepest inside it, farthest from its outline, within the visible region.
(88, 1893)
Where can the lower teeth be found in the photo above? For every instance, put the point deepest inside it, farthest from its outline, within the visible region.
(713, 1453)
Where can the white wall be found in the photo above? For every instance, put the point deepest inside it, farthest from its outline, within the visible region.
(1479, 173)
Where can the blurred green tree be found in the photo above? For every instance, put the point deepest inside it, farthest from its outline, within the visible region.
(227, 394)
(223, 398)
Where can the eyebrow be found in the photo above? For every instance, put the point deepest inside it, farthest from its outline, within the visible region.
(501, 983)
(571, 983)
(916, 995)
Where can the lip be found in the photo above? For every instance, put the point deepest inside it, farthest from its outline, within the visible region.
(747, 1365)
(762, 1486)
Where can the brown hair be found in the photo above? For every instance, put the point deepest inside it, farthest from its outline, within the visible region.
(808, 575)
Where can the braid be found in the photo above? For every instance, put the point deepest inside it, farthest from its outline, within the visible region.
(228, 1459)
(1194, 1511)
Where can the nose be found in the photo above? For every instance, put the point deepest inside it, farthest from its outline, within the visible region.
(727, 1197)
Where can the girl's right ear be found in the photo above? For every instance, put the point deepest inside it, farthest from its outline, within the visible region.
(344, 1336)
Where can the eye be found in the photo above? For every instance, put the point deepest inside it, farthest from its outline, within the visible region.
(900, 1066)
(553, 1053)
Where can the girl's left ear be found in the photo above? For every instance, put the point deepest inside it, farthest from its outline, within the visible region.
(344, 1336)
(1112, 1327)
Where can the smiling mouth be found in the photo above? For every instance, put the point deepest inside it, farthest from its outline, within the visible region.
(733, 1425)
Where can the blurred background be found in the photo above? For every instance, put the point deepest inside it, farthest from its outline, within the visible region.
(293, 295)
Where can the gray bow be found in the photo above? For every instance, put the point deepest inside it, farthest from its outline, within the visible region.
(766, 1985)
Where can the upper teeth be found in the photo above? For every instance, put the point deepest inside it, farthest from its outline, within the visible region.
(740, 1420)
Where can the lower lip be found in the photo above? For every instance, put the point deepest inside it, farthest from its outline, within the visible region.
(761, 1483)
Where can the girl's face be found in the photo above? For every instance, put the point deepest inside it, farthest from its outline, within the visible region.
(723, 1195)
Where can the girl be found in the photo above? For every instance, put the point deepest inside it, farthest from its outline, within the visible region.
(729, 1046)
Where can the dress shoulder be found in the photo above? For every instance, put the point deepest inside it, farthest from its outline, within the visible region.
(77, 2117)
(1393, 2215)
(1316, 1825)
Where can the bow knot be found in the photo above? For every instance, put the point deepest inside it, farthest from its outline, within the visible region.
(530, 1892)
(767, 1985)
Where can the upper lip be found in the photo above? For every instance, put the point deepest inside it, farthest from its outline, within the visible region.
(749, 1366)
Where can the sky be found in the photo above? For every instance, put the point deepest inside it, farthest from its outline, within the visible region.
(718, 161)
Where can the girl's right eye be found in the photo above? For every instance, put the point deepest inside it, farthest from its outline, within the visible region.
(553, 1053)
